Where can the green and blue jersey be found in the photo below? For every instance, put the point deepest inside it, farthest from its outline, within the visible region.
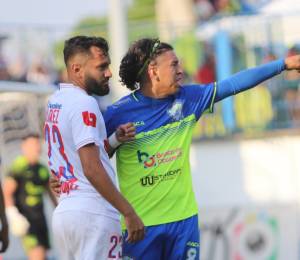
(154, 170)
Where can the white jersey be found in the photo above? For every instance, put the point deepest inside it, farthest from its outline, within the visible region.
(73, 119)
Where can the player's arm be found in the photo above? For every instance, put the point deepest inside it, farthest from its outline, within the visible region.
(54, 185)
(51, 194)
(9, 187)
(4, 225)
(17, 222)
(124, 133)
(252, 77)
(96, 174)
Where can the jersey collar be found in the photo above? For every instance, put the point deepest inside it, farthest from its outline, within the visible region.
(70, 85)
(139, 97)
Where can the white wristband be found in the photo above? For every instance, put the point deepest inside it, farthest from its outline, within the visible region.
(113, 141)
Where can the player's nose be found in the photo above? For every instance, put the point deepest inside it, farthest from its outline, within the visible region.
(108, 73)
(180, 69)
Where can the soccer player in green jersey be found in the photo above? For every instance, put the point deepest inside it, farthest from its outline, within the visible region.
(154, 170)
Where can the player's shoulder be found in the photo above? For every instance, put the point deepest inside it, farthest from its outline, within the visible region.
(122, 102)
(115, 111)
(194, 88)
(87, 99)
(19, 165)
(70, 94)
(41, 165)
(43, 172)
(189, 87)
(80, 101)
(78, 94)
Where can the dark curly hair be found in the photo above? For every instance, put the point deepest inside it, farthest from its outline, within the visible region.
(134, 64)
(82, 44)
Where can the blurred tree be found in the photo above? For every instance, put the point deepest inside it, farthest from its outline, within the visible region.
(141, 23)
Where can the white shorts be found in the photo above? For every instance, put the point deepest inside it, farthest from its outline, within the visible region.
(87, 236)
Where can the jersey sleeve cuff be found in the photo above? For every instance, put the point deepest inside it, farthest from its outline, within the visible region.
(87, 141)
(211, 107)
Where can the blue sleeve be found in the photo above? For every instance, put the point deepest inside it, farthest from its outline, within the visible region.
(199, 98)
(110, 121)
(247, 79)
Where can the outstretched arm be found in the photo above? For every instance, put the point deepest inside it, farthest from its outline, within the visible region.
(250, 78)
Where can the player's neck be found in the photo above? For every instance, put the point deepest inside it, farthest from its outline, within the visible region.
(151, 91)
(31, 161)
(77, 83)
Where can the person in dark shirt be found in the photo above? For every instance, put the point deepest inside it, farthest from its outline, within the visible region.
(24, 187)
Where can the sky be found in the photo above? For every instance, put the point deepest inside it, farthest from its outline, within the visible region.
(49, 12)
(33, 25)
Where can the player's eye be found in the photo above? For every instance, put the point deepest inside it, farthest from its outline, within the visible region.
(103, 67)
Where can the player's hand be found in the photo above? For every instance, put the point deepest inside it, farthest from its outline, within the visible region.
(125, 133)
(135, 227)
(55, 186)
(293, 63)
(4, 236)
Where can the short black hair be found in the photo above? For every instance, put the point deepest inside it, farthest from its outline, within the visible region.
(134, 63)
(31, 135)
(82, 44)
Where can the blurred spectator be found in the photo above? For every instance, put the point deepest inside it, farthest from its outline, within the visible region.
(18, 69)
(292, 90)
(206, 72)
(274, 84)
(62, 77)
(4, 74)
(38, 74)
(187, 77)
(275, 87)
(204, 9)
(226, 6)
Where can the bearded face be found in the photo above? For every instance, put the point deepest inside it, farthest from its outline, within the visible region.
(97, 86)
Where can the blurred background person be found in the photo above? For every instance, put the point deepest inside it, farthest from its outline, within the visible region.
(206, 72)
(24, 187)
(4, 74)
(38, 74)
(292, 91)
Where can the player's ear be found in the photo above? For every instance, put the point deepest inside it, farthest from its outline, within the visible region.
(76, 69)
(152, 71)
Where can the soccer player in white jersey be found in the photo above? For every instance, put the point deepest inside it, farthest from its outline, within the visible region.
(86, 220)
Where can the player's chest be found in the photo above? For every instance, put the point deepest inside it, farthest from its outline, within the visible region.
(35, 176)
(155, 116)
